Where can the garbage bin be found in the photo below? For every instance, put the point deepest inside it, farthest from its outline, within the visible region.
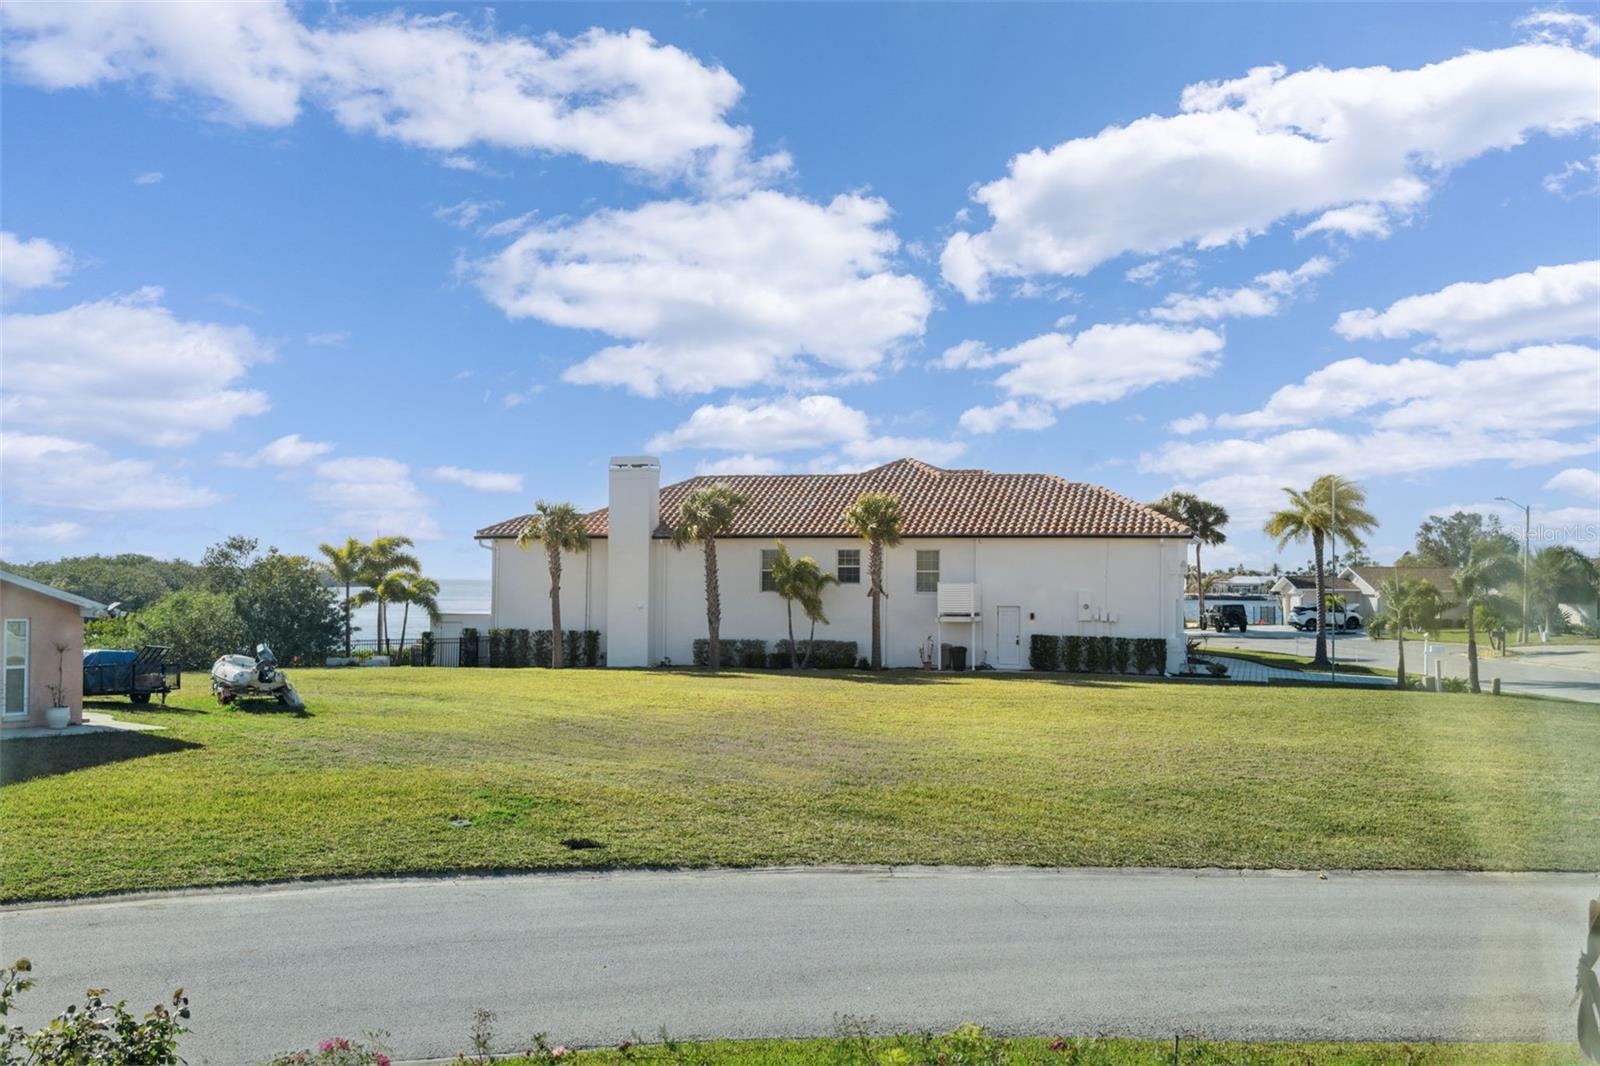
(958, 656)
(944, 656)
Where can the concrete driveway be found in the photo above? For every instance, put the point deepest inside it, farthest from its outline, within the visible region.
(1568, 671)
(592, 958)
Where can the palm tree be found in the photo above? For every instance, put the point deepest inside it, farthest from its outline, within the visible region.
(386, 557)
(559, 527)
(707, 514)
(422, 591)
(877, 518)
(800, 579)
(1556, 575)
(1409, 603)
(812, 580)
(1332, 506)
(344, 565)
(1205, 520)
(1489, 565)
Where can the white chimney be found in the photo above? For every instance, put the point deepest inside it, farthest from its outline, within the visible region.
(635, 505)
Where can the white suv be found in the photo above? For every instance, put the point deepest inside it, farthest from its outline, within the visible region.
(1305, 617)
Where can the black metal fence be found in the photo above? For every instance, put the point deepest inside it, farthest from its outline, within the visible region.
(485, 649)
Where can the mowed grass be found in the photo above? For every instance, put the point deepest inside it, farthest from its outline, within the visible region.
(683, 769)
(1099, 1051)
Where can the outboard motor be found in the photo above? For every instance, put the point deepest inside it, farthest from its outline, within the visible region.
(266, 664)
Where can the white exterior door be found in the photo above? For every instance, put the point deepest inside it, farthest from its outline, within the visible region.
(1009, 653)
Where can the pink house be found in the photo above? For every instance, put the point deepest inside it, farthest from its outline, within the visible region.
(43, 646)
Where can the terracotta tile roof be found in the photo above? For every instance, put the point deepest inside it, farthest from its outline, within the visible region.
(937, 503)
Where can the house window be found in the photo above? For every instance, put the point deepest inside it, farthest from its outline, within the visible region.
(927, 571)
(16, 669)
(849, 568)
(768, 557)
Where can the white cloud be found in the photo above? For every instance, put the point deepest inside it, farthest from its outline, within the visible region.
(722, 294)
(776, 426)
(31, 264)
(149, 177)
(370, 495)
(333, 338)
(1577, 178)
(1101, 364)
(1542, 387)
(1577, 481)
(482, 480)
(739, 464)
(1270, 146)
(1153, 270)
(1260, 298)
(1396, 419)
(1357, 220)
(49, 471)
(465, 213)
(1549, 303)
(436, 82)
(128, 367)
(1007, 415)
(15, 535)
(1189, 424)
(1561, 27)
(287, 451)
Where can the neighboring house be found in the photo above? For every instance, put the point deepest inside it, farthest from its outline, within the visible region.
(1368, 579)
(1300, 590)
(985, 561)
(1245, 585)
(37, 618)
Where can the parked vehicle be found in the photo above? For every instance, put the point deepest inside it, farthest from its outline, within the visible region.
(1225, 616)
(239, 677)
(135, 674)
(1305, 618)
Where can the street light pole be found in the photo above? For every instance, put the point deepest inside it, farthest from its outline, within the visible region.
(1527, 528)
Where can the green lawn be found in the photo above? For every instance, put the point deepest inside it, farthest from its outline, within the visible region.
(680, 768)
(1093, 1051)
(1459, 636)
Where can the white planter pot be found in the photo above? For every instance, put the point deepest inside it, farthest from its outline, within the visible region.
(57, 717)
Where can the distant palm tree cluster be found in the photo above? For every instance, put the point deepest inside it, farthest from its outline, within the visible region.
(386, 571)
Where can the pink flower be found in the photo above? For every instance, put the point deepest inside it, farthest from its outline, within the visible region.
(558, 1052)
(380, 1059)
(325, 1047)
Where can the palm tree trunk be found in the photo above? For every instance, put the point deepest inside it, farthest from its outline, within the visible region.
(1199, 586)
(347, 619)
(713, 608)
(1321, 656)
(1472, 650)
(876, 559)
(1400, 670)
(405, 619)
(810, 642)
(557, 643)
(794, 652)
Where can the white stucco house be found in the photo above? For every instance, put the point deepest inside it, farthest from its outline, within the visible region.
(986, 560)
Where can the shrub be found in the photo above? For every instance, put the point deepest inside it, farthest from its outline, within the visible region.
(734, 651)
(1072, 653)
(468, 655)
(862, 663)
(1121, 654)
(591, 647)
(338, 1051)
(832, 654)
(96, 1032)
(572, 647)
(1217, 669)
(1044, 652)
(1149, 655)
(1454, 684)
(426, 646)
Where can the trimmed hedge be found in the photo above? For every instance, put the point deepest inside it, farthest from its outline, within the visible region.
(1098, 655)
(751, 654)
(468, 655)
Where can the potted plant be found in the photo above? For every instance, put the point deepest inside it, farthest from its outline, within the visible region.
(58, 714)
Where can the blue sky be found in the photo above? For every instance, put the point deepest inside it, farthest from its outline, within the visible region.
(304, 271)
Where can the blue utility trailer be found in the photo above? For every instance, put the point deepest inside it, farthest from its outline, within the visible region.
(134, 674)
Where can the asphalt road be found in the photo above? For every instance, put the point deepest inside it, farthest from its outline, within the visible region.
(1568, 671)
(592, 958)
